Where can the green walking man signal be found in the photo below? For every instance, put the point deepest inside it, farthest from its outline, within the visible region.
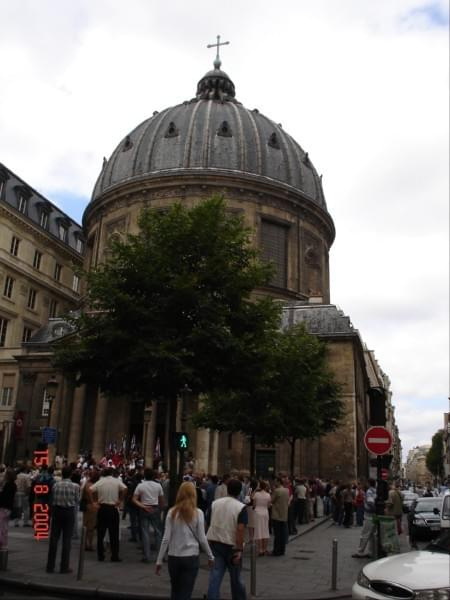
(182, 440)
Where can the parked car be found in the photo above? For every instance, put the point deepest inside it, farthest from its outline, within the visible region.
(424, 520)
(418, 575)
(408, 498)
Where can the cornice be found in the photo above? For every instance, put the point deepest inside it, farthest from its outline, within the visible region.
(255, 189)
(44, 237)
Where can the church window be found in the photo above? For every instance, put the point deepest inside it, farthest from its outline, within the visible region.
(273, 141)
(225, 130)
(128, 144)
(37, 259)
(274, 238)
(3, 330)
(26, 335)
(14, 245)
(172, 130)
(31, 303)
(53, 309)
(8, 289)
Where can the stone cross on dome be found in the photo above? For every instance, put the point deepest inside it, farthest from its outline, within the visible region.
(217, 61)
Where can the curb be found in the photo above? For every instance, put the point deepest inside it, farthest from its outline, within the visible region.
(104, 592)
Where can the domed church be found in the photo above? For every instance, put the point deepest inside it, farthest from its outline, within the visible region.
(212, 144)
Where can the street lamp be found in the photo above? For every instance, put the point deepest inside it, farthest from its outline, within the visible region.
(50, 393)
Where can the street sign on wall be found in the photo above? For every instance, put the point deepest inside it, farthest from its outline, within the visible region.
(378, 440)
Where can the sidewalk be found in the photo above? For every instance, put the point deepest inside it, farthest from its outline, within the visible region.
(304, 573)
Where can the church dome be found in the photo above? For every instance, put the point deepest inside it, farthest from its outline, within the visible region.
(212, 134)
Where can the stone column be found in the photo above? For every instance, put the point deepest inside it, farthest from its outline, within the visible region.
(214, 453)
(202, 450)
(100, 422)
(150, 413)
(76, 422)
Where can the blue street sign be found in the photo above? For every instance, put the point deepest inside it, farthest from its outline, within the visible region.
(49, 435)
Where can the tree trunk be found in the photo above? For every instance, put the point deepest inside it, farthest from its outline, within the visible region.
(292, 461)
(252, 454)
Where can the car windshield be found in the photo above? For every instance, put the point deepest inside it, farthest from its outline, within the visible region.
(427, 504)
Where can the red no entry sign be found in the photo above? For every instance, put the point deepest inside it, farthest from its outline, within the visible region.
(378, 440)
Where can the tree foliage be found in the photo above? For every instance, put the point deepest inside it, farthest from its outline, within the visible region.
(434, 458)
(297, 397)
(172, 306)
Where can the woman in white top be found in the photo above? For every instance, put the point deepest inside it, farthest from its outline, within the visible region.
(261, 503)
(184, 534)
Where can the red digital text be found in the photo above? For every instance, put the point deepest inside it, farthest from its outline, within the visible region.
(41, 515)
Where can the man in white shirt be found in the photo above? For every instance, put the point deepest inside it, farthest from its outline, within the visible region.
(149, 496)
(226, 539)
(108, 494)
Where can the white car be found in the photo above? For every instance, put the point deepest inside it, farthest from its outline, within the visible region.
(418, 575)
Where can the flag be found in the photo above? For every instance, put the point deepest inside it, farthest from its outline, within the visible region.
(133, 443)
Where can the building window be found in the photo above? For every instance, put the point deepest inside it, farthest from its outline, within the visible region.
(44, 219)
(3, 328)
(45, 405)
(37, 259)
(14, 246)
(62, 232)
(57, 273)
(274, 249)
(53, 309)
(7, 394)
(23, 203)
(76, 283)
(79, 246)
(8, 289)
(31, 298)
(27, 333)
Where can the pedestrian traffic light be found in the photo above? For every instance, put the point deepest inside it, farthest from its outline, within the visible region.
(181, 440)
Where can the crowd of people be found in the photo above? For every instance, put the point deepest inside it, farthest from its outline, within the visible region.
(209, 513)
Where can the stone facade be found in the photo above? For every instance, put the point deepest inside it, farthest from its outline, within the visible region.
(40, 248)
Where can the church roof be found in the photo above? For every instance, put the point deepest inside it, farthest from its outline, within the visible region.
(212, 134)
(319, 319)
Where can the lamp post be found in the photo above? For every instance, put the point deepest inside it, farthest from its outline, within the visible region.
(50, 393)
(51, 388)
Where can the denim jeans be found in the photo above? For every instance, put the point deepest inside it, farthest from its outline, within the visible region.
(153, 520)
(183, 573)
(222, 562)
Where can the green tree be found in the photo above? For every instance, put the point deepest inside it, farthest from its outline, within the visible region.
(434, 458)
(171, 307)
(297, 396)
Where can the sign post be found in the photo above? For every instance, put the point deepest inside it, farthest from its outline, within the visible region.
(378, 440)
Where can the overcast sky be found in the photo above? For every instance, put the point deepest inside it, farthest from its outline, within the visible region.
(362, 85)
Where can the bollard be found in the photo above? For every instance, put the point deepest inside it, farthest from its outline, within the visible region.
(253, 569)
(334, 557)
(3, 560)
(81, 554)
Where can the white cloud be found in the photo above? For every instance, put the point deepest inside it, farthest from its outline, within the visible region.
(361, 85)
